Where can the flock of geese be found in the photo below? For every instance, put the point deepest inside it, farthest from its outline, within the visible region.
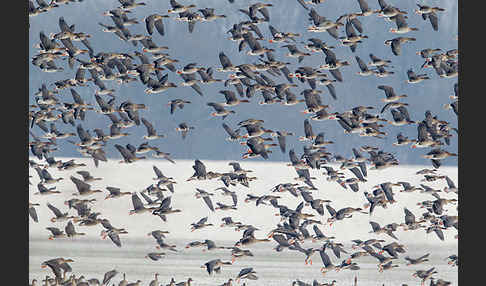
(271, 77)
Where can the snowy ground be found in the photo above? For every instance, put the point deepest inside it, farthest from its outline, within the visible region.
(95, 256)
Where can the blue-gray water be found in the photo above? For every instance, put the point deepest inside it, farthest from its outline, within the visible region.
(203, 46)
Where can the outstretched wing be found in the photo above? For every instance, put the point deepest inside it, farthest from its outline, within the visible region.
(149, 126)
(109, 275)
(159, 25)
(203, 220)
(225, 61)
(234, 198)
(375, 226)
(147, 198)
(33, 214)
(115, 238)
(80, 185)
(158, 173)
(230, 131)
(325, 258)
(55, 210)
(69, 228)
(424, 256)
(209, 203)
(331, 210)
(450, 183)
(409, 216)
(54, 230)
(137, 202)
(439, 233)
(318, 231)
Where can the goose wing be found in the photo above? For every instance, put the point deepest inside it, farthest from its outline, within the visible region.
(280, 239)
(199, 168)
(137, 202)
(158, 173)
(208, 202)
(165, 203)
(400, 21)
(76, 97)
(362, 64)
(382, 4)
(302, 2)
(363, 5)
(337, 74)
(83, 135)
(115, 238)
(396, 47)
(332, 91)
(225, 61)
(333, 32)
(113, 190)
(434, 21)
(281, 142)
(308, 129)
(409, 216)
(350, 32)
(293, 157)
(33, 214)
(147, 198)
(439, 233)
(325, 258)
(230, 131)
(245, 271)
(318, 232)
(423, 256)
(386, 107)
(54, 230)
(388, 90)
(149, 24)
(423, 134)
(357, 24)
(331, 210)
(375, 226)
(124, 152)
(80, 185)
(45, 174)
(159, 26)
(150, 128)
(388, 192)
(70, 229)
(397, 115)
(217, 106)
(234, 197)
(450, 183)
(108, 276)
(64, 26)
(411, 74)
(84, 174)
(203, 220)
(403, 110)
(357, 173)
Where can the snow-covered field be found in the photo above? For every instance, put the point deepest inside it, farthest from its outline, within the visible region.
(94, 256)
